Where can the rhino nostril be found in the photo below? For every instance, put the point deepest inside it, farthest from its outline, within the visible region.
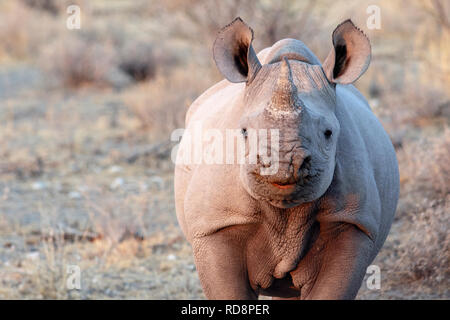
(306, 165)
(306, 161)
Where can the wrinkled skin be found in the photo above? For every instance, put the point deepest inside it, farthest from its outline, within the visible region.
(310, 230)
(301, 136)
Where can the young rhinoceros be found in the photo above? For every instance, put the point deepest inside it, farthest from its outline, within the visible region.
(309, 228)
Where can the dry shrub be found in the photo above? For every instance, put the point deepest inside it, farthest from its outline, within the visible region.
(413, 75)
(54, 7)
(271, 20)
(161, 104)
(141, 58)
(422, 254)
(24, 31)
(51, 6)
(414, 106)
(103, 55)
(138, 60)
(116, 219)
(15, 33)
(425, 165)
(421, 259)
(76, 61)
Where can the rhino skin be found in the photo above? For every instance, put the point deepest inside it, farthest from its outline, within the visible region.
(311, 230)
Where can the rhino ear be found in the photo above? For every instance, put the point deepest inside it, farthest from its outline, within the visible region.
(350, 56)
(234, 54)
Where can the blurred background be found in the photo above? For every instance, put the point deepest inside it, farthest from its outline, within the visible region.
(86, 115)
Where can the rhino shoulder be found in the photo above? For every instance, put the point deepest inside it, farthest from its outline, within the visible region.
(353, 96)
(353, 199)
(215, 101)
(204, 97)
(366, 171)
(207, 210)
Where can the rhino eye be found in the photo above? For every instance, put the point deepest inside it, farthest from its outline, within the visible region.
(328, 133)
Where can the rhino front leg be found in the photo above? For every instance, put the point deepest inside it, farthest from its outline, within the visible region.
(221, 265)
(336, 265)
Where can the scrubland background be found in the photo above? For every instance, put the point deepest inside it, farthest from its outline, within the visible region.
(85, 122)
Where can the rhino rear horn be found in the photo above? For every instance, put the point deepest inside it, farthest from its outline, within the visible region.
(350, 56)
(234, 54)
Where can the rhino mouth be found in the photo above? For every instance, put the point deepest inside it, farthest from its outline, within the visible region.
(283, 186)
(287, 183)
(282, 193)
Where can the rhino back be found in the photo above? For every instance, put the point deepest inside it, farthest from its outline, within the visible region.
(291, 48)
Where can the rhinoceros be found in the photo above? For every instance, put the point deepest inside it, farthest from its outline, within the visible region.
(309, 228)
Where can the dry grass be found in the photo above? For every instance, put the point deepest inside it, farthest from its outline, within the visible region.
(138, 60)
(271, 21)
(161, 104)
(15, 31)
(51, 6)
(425, 167)
(424, 253)
(422, 257)
(76, 61)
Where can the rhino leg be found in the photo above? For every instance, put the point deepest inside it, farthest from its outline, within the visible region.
(335, 266)
(221, 265)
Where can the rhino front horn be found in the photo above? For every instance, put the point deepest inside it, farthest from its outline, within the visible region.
(285, 98)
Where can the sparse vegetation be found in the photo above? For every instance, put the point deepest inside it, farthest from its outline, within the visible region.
(422, 257)
(139, 61)
(76, 61)
(85, 170)
(50, 6)
(162, 111)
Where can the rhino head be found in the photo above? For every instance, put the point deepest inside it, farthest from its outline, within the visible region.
(296, 95)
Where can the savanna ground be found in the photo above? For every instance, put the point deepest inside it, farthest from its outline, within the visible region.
(86, 115)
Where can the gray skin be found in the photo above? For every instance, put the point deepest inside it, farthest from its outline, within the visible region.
(310, 230)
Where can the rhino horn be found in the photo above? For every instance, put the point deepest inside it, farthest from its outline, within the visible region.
(285, 96)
